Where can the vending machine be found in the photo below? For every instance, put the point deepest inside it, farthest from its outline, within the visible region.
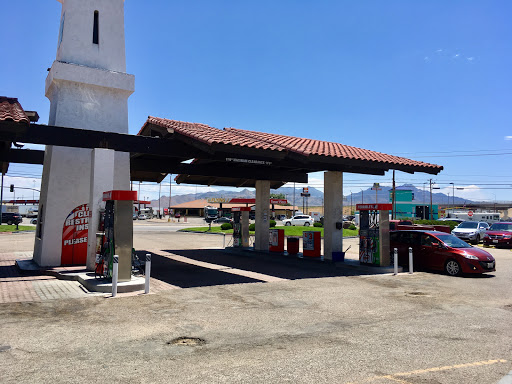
(374, 234)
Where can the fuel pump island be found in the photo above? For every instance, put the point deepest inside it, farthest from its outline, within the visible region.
(114, 237)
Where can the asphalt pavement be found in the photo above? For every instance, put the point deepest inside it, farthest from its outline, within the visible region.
(218, 318)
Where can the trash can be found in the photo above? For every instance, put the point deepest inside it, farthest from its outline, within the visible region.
(292, 245)
(338, 257)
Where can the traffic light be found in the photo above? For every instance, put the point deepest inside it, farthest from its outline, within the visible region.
(12, 187)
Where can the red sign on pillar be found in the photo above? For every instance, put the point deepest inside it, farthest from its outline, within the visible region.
(74, 236)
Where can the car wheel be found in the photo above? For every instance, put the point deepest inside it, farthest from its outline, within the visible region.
(477, 240)
(452, 268)
(288, 223)
(306, 224)
(9, 222)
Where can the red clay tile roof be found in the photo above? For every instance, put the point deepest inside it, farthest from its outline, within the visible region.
(275, 142)
(10, 109)
(209, 135)
(309, 147)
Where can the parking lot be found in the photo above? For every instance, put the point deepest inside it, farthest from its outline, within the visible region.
(215, 317)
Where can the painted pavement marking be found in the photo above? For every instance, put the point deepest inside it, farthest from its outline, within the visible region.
(397, 376)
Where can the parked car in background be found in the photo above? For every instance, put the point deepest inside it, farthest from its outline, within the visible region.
(304, 220)
(440, 251)
(135, 216)
(499, 234)
(33, 221)
(143, 217)
(472, 231)
(221, 220)
(11, 218)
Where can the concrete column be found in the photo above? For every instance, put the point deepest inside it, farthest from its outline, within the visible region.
(262, 215)
(102, 180)
(333, 206)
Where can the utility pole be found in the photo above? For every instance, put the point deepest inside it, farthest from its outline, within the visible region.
(351, 212)
(393, 198)
(293, 209)
(453, 196)
(138, 198)
(362, 196)
(170, 195)
(159, 193)
(431, 213)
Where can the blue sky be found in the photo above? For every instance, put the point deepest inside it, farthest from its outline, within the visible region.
(428, 80)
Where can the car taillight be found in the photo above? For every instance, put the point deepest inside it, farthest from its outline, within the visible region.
(507, 237)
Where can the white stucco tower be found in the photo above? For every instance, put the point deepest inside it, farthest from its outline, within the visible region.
(89, 89)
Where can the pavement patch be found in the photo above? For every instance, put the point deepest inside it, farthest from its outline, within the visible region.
(187, 341)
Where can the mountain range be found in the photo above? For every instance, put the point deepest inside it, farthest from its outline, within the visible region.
(316, 199)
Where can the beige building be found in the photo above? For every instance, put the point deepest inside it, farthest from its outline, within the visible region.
(196, 208)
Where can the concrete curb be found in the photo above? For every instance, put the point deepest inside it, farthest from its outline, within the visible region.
(84, 277)
(507, 379)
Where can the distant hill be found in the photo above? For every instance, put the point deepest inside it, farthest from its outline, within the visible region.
(367, 196)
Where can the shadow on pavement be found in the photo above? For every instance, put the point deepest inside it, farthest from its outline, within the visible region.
(187, 276)
(285, 267)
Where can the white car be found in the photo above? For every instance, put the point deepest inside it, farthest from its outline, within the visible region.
(304, 220)
(142, 217)
(472, 231)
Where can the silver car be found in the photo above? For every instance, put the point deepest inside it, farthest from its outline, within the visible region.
(299, 220)
(471, 231)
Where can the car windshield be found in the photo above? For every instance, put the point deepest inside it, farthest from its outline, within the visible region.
(468, 224)
(453, 241)
(501, 227)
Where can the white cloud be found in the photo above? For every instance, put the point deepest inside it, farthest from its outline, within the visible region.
(508, 137)
(470, 192)
(456, 55)
(470, 58)
(439, 51)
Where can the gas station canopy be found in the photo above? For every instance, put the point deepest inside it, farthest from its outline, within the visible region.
(237, 157)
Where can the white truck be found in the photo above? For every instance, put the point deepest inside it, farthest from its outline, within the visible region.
(28, 210)
(488, 217)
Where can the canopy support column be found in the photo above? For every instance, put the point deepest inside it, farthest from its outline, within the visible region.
(333, 213)
(262, 215)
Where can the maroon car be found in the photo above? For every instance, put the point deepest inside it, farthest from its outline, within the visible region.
(499, 235)
(440, 251)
